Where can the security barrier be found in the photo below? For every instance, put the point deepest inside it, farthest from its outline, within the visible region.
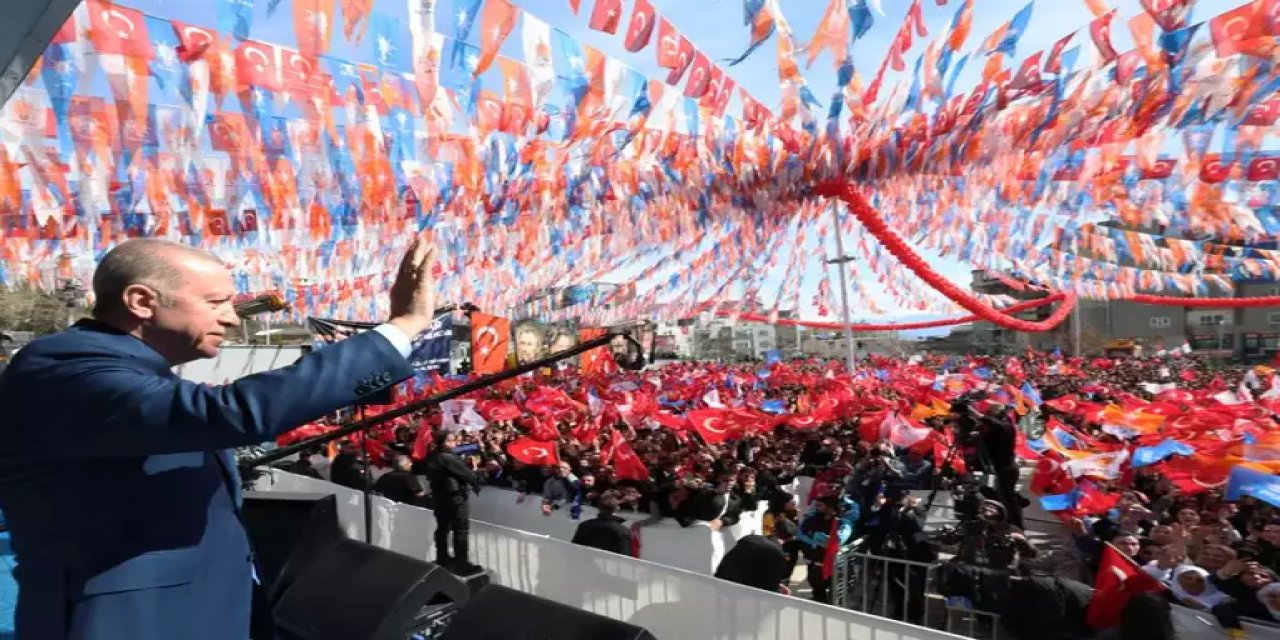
(904, 590)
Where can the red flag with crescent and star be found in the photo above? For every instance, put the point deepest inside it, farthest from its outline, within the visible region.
(490, 338)
(640, 28)
(625, 461)
(534, 452)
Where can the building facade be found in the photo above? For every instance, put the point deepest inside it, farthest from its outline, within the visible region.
(1249, 333)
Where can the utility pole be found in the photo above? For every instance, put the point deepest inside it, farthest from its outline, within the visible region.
(1075, 321)
(841, 259)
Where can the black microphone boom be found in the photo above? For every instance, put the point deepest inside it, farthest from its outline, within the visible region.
(281, 453)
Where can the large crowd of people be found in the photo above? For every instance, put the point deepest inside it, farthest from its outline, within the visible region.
(1132, 455)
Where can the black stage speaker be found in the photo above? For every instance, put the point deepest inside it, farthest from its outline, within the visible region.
(288, 532)
(357, 591)
(499, 613)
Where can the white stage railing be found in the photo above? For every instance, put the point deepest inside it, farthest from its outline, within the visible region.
(694, 548)
(671, 603)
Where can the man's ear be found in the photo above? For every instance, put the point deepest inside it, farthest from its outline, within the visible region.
(141, 301)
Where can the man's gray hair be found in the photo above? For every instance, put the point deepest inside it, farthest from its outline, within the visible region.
(145, 261)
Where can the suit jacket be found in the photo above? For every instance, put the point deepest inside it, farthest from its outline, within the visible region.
(121, 495)
(607, 533)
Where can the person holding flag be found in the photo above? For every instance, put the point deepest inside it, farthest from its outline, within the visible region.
(830, 517)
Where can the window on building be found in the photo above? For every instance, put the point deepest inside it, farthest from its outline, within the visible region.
(1273, 318)
(1161, 322)
(1213, 320)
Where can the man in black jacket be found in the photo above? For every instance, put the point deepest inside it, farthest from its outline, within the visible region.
(400, 484)
(451, 481)
(606, 531)
(756, 561)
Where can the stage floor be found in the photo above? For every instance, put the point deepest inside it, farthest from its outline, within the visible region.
(8, 588)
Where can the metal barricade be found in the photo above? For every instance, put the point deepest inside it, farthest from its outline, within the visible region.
(904, 590)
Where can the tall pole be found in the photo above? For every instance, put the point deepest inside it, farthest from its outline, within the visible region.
(1075, 322)
(844, 283)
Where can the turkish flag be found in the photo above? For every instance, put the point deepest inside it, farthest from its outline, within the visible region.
(1263, 168)
(256, 65)
(1268, 13)
(625, 461)
(1237, 31)
(248, 221)
(1119, 579)
(490, 339)
(300, 75)
(193, 41)
(606, 15)
(699, 76)
(713, 425)
(216, 222)
(1263, 114)
(534, 452)
(1159, 170)
(1100, 31)
(118, 30)
(640, 28)
(1169, 14)
(1213, 171)
(672, 47)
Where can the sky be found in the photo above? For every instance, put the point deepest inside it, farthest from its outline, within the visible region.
(716, 28)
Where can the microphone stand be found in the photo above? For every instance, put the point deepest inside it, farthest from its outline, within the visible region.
(365, 423)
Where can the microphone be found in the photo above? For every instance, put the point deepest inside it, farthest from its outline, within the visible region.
(265, 303)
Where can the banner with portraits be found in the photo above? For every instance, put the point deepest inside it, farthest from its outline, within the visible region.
(430, 353)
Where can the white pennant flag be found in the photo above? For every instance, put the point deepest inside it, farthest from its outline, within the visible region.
(535, 38)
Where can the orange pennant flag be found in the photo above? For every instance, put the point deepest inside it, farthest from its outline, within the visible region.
(497, 21)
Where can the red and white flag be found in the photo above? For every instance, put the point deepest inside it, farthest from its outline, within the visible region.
(1119, 578)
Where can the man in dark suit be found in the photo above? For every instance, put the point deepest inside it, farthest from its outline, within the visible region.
(606, 531)
(122, 497)
(451, 483)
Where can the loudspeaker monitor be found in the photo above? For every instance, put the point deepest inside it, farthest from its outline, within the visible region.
(356, 591)
(499, 613)
(288, 532)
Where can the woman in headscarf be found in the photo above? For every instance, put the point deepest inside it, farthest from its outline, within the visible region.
(1192, 588)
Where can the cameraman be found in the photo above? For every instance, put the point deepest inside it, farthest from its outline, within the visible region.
(991, 541)
(997, 442)
(873, 474)
(895, 529)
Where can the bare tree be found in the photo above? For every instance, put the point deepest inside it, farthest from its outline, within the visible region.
(38, 311)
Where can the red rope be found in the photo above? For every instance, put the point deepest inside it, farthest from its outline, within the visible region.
(871, 220)
(902, 326)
